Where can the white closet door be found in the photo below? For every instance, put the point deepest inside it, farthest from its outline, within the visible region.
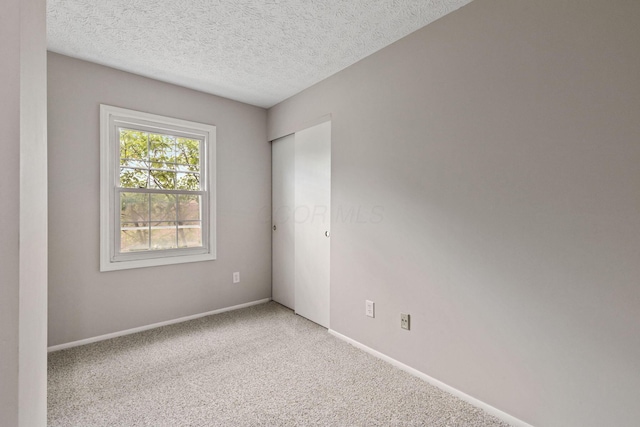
(312, 222)
(283, 204)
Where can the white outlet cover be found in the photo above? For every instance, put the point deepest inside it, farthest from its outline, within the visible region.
(405, 321)
(369, 308)
(236, 277)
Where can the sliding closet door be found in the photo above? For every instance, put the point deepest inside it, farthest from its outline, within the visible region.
(312, 222)
(282, 196)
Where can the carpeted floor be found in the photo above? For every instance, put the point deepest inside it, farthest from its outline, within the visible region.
(259, 366)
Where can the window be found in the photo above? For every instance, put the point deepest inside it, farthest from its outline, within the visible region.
(157, 190)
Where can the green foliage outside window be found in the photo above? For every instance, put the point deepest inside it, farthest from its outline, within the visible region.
(155, 221)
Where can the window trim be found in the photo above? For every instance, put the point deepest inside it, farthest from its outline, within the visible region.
(112, 117)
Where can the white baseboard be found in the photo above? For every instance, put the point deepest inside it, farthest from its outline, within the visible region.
(152, 326)
(511, 420)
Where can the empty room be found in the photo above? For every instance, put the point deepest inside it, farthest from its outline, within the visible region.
(320, 213)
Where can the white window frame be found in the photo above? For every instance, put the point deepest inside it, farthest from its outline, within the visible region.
(111, 118)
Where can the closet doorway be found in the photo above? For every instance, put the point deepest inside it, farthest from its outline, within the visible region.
(301, 201)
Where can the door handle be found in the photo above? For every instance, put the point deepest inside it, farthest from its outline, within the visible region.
(327, 234)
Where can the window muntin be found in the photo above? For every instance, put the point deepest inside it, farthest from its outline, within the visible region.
(160, 184)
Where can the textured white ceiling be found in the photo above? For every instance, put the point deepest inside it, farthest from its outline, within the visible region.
(255, 51)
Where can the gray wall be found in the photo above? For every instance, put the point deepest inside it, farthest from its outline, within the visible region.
(23, 221)
(10, 241)
(85, 303)
(503, 144)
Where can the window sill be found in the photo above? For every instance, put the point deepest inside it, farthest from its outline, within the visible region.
(107, 265)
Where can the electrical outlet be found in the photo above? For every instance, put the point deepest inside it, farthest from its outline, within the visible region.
(236, 277)
(404, 321)
(369, 308)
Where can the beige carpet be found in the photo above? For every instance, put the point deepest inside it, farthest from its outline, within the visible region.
(259, 366)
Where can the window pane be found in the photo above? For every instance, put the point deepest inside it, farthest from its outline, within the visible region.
(183, 168)
(164, 180)
(138, 164)
(134, 207)
(190, 234)
(163, 207)
(133, 145)
(188, 181)
(188, 154)
(164, 166)
(163, 236)
(162, 151)
(133, 178)
(134, 237)
(189, 208)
